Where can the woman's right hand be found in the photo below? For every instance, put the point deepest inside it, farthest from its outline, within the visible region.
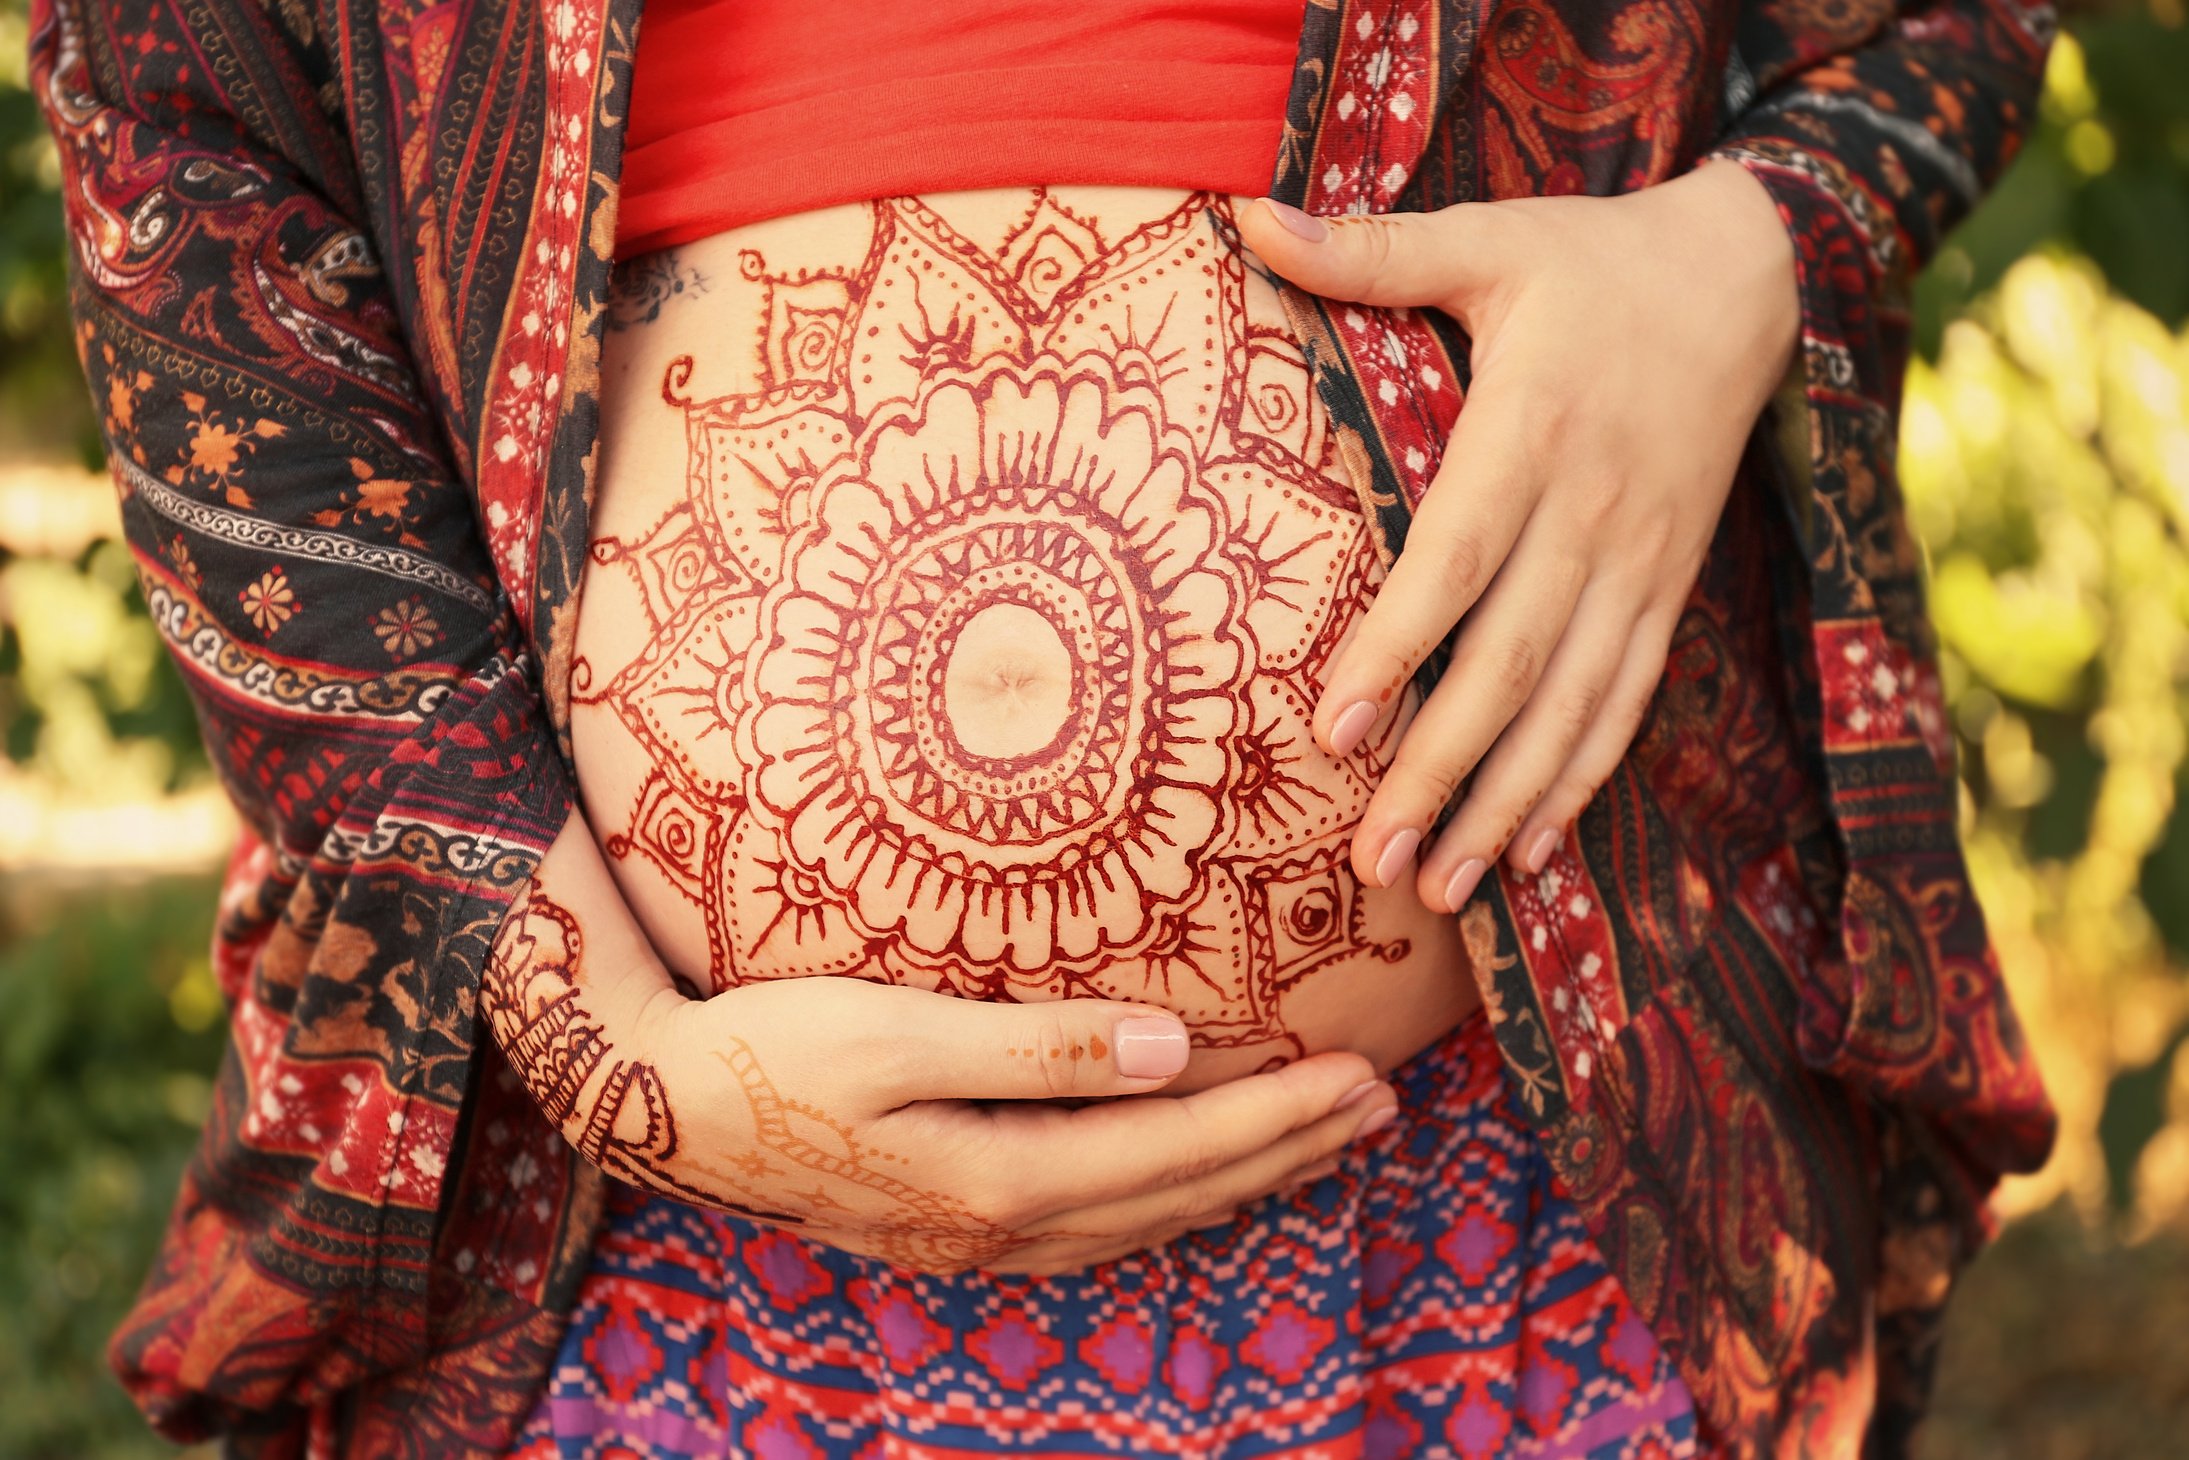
(917, 1127)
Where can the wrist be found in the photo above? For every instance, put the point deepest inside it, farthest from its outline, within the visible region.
(1761, 251)
(1721, 232)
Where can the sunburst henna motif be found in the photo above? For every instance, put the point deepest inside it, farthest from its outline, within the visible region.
(981, 652)
(1000, 679)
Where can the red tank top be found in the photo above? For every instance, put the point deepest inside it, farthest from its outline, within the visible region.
(751, 109)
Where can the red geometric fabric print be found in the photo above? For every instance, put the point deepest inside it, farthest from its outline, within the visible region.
(1435, 1297)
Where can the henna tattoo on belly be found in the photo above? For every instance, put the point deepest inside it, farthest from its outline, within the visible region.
(979, 651)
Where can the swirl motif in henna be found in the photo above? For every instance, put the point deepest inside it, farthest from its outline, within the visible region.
(980, 652)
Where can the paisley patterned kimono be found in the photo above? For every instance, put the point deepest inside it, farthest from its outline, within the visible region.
(339, 274)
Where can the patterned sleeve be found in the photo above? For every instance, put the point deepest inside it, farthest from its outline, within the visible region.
(1876, 128)
(1884, 124)
(311, 557)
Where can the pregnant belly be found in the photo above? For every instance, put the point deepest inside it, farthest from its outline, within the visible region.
(961, 576)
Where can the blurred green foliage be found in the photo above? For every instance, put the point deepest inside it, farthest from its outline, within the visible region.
(109, 1034)
(42, 400)
(2106, 176)
(2046, 459)
(2045, 455)
(88, 700)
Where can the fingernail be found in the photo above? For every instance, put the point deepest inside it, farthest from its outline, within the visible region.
(1462, 885)
(1150, 1048)
(1306, 225)
(1355, 1095)
(1352, 727)
(1376, 1122)
(1539, 851)
(1397, 852)
(1313, 1173)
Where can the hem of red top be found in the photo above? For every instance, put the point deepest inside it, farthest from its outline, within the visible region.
(1019, 129)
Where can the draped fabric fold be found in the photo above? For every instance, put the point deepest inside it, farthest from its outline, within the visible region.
(1751, 1002)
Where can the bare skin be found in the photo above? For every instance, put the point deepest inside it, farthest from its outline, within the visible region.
(1568, 566)
(895, 1122)
(964, 573)
(1622, 349)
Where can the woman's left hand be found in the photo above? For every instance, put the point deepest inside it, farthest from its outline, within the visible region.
(1622, 350)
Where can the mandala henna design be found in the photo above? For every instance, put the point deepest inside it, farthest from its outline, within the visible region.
(980, 652)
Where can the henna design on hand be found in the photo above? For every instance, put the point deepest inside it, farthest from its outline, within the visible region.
(792, 1163)
(907, 1224)
(532, 1000)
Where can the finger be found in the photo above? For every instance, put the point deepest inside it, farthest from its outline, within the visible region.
(945, 1048)
(1127, 1148)
(1601, 748)
(1064, 1257)
(938, 1253)
(1531, 752)
(1246, 1180)
(1388, 259)
(1047, 1257)
(1498, 660)
(1051, 1257)
(1470, 518)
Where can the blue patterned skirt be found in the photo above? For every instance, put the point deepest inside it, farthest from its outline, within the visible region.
(1436, 1296)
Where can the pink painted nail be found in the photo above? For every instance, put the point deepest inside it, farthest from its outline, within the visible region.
(1376, 1122)
(1355, 1095)
(1462, 885)
(1352, 727)
(1397, 852)
(1539, 851)
(1306, 225)
(1150, 1048)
